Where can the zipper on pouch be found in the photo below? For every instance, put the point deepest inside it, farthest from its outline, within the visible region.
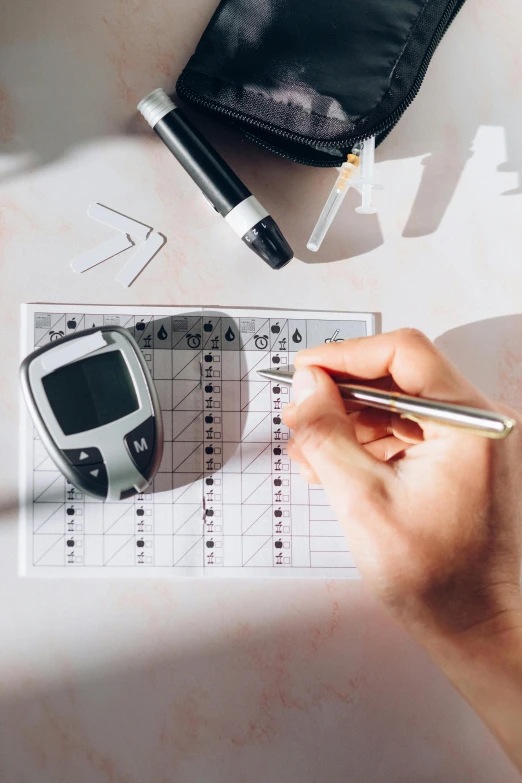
(344, 146)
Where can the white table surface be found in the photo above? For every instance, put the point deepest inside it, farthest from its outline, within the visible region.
(185, 681)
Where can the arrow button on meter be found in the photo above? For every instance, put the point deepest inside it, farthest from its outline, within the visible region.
(85, 456)
(96, 474)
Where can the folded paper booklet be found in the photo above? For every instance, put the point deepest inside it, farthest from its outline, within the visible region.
(226, 501)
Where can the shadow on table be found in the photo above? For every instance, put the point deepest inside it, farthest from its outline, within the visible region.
(489, 353)
(331, 692)
(74, 73)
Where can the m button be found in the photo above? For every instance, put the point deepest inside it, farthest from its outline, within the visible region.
(140, 443)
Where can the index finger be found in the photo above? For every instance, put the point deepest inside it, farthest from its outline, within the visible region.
(416, 366)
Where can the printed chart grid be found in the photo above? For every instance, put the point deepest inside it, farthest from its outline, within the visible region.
(226, 499)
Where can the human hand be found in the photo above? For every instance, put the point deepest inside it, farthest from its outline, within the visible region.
(431, 513)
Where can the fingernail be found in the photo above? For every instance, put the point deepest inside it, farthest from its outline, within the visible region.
(304, 385)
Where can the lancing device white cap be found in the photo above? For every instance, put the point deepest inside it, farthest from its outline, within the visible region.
(155, 106)
(218, 183)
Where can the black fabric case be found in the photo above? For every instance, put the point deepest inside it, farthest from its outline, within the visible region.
(308, 79)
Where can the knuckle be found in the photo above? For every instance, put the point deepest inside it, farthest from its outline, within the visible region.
(411, 335)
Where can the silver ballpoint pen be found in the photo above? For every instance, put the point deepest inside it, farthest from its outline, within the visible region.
(480, 422)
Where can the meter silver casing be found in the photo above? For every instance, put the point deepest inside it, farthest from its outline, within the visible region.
(124, 478)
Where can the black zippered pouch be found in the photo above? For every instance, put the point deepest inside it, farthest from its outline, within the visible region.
(308, 79)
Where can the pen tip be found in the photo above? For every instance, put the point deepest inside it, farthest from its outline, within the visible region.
(281, 376)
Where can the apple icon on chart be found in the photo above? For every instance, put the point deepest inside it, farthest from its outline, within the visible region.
(276, 328)
(140, 326)
(277, 482)
(208, 326)
(140, 512)
(70, 542)
(209, 419)
(210, 544)
(277, 420)
(209, 389)
(278, 513)
(209, 482)
(208, 357)
(278, 544)
(276, 389)
(72, 324)
(277, 451)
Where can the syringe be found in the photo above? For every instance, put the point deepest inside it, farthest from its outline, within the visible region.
(356, 172)
(342, 184)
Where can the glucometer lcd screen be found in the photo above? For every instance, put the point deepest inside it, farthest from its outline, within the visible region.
(90, 393)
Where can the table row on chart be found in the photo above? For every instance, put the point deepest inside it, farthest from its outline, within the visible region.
(190, 550)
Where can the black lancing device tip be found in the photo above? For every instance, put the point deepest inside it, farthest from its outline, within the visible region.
(267, 240)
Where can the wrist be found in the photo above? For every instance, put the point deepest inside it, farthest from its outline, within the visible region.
(465, 621)
(485, 640)
(484, 662)
(485, 666)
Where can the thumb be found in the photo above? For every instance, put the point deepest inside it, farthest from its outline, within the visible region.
(324, 434)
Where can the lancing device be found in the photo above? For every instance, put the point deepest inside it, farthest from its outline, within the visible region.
(218, 183)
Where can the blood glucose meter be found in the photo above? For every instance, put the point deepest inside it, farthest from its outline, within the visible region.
(94, 405)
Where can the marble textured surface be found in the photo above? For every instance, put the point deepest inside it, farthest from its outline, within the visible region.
(126, 682)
